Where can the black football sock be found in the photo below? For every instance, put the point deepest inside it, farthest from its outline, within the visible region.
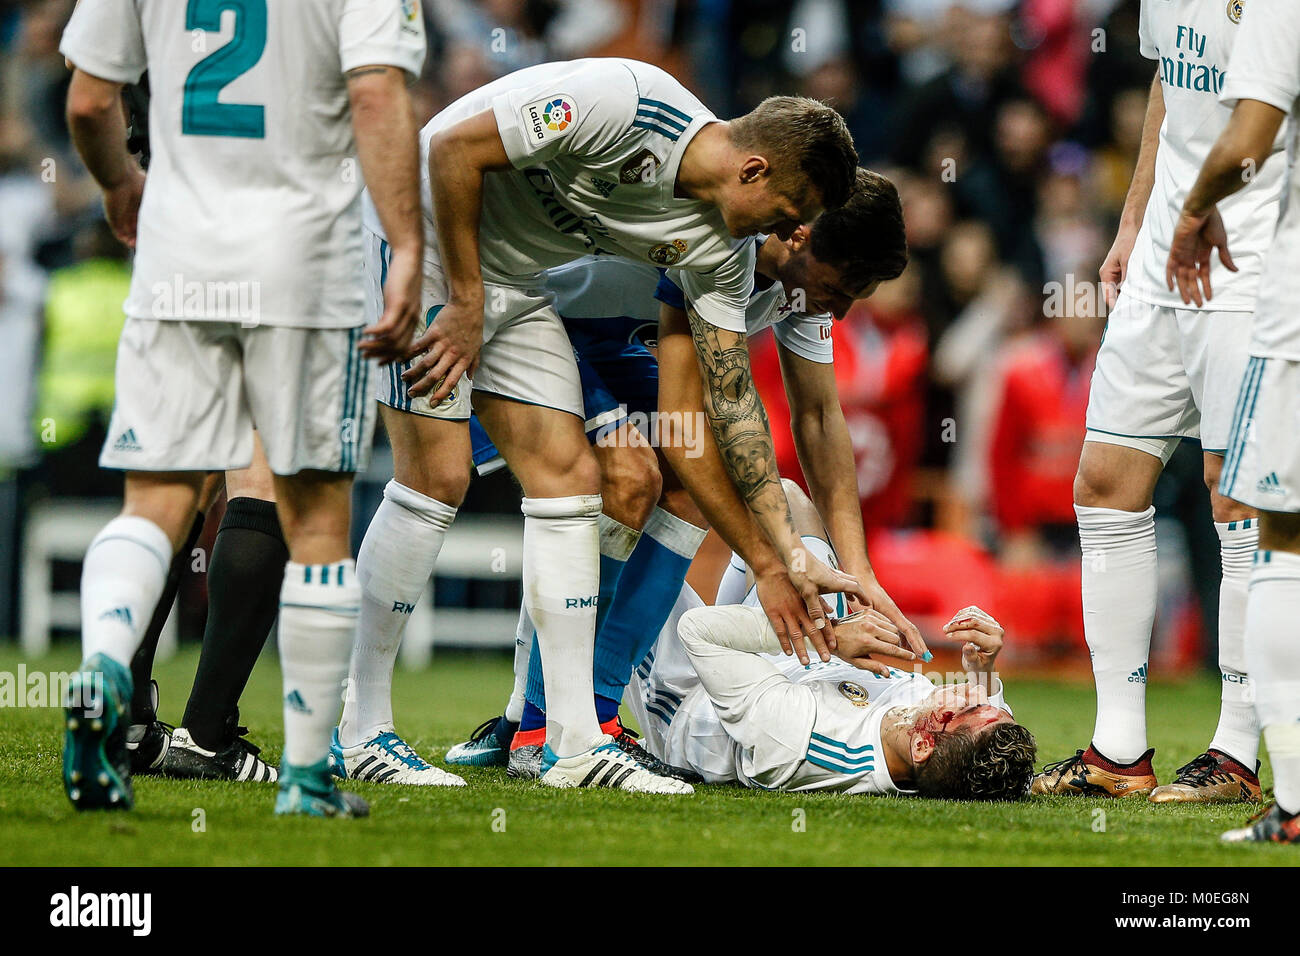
(142, 707)
(244, 578)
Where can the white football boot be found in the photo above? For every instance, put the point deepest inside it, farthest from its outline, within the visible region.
(605, 765)
(387, 758)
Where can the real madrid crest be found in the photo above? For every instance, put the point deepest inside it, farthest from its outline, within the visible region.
(1235, 8)
(667, 253)
(855, 694)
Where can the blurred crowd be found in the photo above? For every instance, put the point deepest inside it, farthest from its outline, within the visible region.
(1010, 126)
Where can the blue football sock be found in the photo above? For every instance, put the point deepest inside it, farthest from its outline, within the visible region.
(533, 719)
(651, 581)
(617, 543)
(606, 709)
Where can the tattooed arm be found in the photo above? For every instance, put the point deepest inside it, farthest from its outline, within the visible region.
(740, 427)
(744, 440)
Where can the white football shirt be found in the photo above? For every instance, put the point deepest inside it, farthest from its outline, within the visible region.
(1192, 40)
(251, 208)
(1266, 67)
(596, 145)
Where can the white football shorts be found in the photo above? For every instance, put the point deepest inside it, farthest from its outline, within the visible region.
(1166, 374)
(189, 395)
(526, 352)
(1262, 468)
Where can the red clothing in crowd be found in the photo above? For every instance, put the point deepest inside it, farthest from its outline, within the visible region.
(1038, 434)
(880, 371)
(1055, 70)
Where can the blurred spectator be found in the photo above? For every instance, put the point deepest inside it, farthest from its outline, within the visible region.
(1066, 226)
(880, 370)
(1001, 187)
(497, 37)
(968, 93)
(1059, 33)
(1116, 160)
(83, 320)
(1037, 434)
(965, 363)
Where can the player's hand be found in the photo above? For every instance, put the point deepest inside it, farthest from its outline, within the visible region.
(450, 345)
(981, 637)
(786, 609)
(1115, 268)
(868, 632)
(878, 599)
(1195, 239)
(812, 579)
(389, 339)
(122, 205)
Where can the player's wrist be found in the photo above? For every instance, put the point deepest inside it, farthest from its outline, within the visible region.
(467, 296)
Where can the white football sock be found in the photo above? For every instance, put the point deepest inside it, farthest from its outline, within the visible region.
(733, 585)
(397, 557)
(523, 652)
(122, 578)
(1119, 608)
(1238, 732)
(319, 604)
(1273, 662)
(561, 580)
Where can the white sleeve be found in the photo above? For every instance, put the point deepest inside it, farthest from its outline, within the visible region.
(769, 715)
(807, 336)
(1265, 62)
(997, 698)
(1146, 41)
(382, 33)
(104, 39)
(581, 108)
(721, 296)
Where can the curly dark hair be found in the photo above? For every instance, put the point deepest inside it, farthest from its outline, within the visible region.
(864, 239)
(996, 765)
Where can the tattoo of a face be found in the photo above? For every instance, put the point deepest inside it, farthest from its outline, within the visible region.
(738, 419)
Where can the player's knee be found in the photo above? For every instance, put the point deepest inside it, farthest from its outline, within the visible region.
(1097, 487)
(1226, 509)
(630, 485)
(445, 480)
(1089, 488)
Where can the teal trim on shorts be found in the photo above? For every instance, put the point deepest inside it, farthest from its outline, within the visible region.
(1244, 412)
(1090, 428)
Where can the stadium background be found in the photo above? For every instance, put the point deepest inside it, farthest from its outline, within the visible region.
(1011, 129)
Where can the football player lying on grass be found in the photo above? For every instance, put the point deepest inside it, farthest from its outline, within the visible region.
(717, 695)
(720, 698)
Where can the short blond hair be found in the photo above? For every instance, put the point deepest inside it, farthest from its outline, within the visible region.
(805, 138)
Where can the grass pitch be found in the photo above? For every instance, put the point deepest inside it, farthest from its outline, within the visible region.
(498, 821)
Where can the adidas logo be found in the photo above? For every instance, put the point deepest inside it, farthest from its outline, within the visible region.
(1269, 485)
(126, 442)
(293, 700)
(1139, 676)
(603, 186)
(120, 614)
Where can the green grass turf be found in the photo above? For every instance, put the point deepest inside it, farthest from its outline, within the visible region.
(718, 826)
